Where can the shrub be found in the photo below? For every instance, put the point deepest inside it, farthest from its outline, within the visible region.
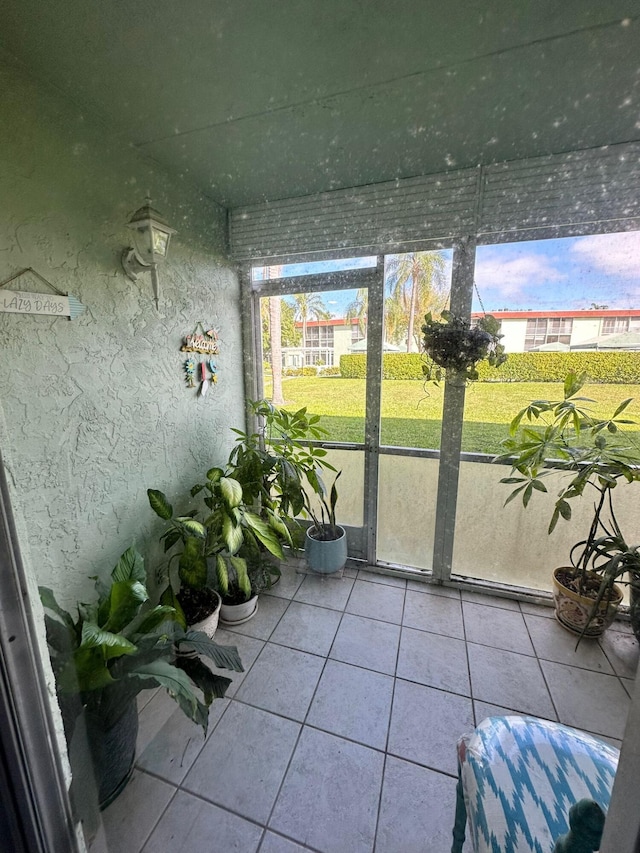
(395, 365)
(604, 367)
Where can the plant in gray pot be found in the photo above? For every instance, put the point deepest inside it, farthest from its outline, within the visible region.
(114, 648)
(564, 438)
(325, 545)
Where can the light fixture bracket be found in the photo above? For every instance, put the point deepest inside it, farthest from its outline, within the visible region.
(132, 265)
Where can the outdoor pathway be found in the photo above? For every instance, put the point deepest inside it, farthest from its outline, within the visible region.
(340, 735)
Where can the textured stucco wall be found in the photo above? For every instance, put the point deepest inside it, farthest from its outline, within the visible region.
(96, 409)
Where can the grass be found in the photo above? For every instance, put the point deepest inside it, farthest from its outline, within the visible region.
(412, 411)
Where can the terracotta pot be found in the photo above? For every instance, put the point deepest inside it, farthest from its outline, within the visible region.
(237, 614)
(573, 610)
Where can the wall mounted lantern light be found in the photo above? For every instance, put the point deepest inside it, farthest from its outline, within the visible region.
(151, 236)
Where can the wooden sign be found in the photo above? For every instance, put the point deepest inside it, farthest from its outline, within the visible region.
(206, 343)
(56, 304)
(19, 302)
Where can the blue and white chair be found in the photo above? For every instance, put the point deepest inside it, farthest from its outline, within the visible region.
(517, 779)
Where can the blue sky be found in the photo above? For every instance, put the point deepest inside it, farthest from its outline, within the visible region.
(563, 274)
(560, 274)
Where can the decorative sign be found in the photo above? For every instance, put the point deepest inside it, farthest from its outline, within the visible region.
(56, 304)
(207, 343)
(206, 371)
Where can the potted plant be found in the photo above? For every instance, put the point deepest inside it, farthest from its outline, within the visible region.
(230, 539)
(616, 562)
(276, 465)
(453, 344)
(196, 603)
(597, 457)
(325, 541)
(114, 648)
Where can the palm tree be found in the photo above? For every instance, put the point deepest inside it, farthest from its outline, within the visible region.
(358, 309)
(309, 305)
(416, 283)
(275, 326)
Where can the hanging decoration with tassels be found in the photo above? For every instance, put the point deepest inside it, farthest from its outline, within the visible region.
(204, 372)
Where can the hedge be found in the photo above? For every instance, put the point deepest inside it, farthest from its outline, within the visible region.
(605, 367)
(311, 371)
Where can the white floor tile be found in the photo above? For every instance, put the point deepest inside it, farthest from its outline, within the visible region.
(587, 700)
(308, 628)
(436, 613)
(434, 660)
(199, 827)
(416, 811)
(496, 627)
(325, 591)
(282, 681)
(269, 613)
(508, 679)
(376, 601)
(379, 577)
(129, 820)
(329, 799)
(354, 703)
(367, 642)
(426, 724)
(553, 642)
(244, 761)
(178, 743)
(623, 652)
(489, 600)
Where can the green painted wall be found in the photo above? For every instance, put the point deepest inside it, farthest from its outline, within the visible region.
(96, 410)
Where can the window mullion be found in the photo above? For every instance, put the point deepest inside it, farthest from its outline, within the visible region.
(452, 420)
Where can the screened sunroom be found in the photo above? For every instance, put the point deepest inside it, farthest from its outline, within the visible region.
(214, 203)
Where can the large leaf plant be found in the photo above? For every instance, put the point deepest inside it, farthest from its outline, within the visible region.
(121, 644)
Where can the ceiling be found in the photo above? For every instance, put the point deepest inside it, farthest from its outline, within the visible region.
(256, 100)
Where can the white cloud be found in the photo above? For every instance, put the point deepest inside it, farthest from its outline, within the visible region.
(613, 254)
(512, 276)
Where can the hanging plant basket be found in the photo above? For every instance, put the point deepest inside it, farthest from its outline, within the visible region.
(454, 345)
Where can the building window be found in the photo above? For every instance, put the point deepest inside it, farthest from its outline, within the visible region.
(319, 337)
(548, 331)
(615, 325)
(357, 334)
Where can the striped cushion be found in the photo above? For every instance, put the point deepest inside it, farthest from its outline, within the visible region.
(521, 775)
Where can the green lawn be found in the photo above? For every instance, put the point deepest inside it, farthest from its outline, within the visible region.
(411, 410)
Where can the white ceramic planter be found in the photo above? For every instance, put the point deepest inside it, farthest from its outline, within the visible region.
(209, 624)
(236, 614)
(325, 556)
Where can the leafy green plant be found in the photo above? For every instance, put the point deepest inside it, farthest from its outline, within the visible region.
(276, 465)
(453, 344)
(551, 436)
(121, 644)
(324, 521)
(228, 526)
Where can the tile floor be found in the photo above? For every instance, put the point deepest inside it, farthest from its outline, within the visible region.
(340, 735)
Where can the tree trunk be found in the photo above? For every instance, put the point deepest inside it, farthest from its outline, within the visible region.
(412, 310)
(275, 323)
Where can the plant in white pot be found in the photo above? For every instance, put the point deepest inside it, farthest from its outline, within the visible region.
(231, 539)
(325, 544)
(596, 456)
(196, 603)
